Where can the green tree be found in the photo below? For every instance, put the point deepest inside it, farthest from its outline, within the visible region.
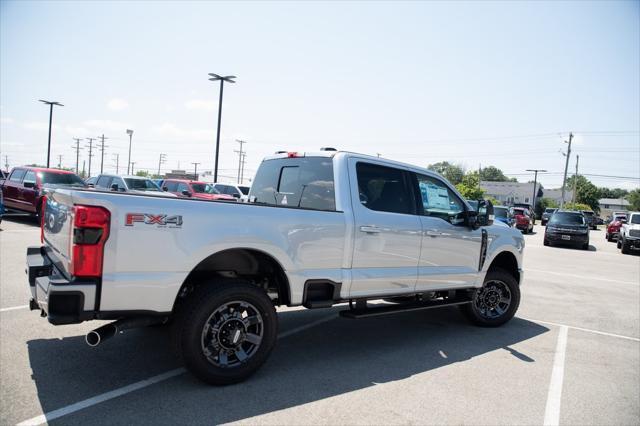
(494, 174)
(452, 172)
(142, 173)
(577, 206)
(544, 203)
(634, 199)
(586, 192)
(613, 192)
(469, 187)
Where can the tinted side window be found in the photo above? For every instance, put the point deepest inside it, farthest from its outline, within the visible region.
(171, 186)
(440, 201)
(299, 182)
(104, 181)
(182, 187)
(17, 175)
(30, 176)
(384, 189)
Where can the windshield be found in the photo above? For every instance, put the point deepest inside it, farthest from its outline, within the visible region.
(244, 189)
(204, 188)
(566, 218)
(635, 219)
(587, 213)
(520, 211)
(549, 210)
(60, 179)
(141, 184)
(501, 212)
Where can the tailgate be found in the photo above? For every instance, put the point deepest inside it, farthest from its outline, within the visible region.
(57, 228)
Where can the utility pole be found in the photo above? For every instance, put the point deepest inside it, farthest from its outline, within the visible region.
(566, 166)
(102, 147)
(535, 187)
(6, 162)
(77, 148)
(239, 157)
(244, 155)
(132, 164)
(163, 158)
(130, 133)
(51, 104)
(60, 161)
(195, 170)
(575, 180)
(90, 153)
(117, 163)
(84, 176)
(228, 79)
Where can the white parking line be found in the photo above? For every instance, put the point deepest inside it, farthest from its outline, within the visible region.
(554, 397)
(13, 308)
(584, 277)
(69, 409)
(588, 330)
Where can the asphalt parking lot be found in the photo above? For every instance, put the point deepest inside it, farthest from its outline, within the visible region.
(571, 356)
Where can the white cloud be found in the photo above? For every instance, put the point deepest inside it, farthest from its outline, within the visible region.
(77, 131)
(117, 104)
(200, 105)
(6, 120)
(170, 130)
(38, 125)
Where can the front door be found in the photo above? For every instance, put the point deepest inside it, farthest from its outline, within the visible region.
(450, 252)
(387, 230)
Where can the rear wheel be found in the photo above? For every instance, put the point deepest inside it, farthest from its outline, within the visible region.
(496, 302)
(225, 332)
(545, 242)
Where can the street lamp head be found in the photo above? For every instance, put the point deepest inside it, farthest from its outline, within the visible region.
(216, 77)
(50, 103)
(129, 132)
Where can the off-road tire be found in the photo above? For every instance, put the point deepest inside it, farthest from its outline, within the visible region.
(194, 312)
(471, 310)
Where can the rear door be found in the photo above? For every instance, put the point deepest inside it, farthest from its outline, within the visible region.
(387, 230)
(450, 251)
(13, 189)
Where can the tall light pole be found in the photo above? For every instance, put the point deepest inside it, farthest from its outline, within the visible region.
(535, 193)
(130, 133)
(51, 104)
(228, 79)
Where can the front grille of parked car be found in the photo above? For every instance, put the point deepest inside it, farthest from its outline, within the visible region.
(634, 233)
(566, 230)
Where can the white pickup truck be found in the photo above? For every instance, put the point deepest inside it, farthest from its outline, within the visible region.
(629, 238)
(320, 229)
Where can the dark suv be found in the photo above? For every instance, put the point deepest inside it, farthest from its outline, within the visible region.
(590, 217)
(23, 189)
(567, 227)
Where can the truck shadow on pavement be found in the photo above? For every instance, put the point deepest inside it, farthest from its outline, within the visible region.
(329, 359)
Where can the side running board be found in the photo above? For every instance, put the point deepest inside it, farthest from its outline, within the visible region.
(385, 309)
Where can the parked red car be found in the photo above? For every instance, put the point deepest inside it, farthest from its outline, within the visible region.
(23, 189)
(613, 228)
(193, 189)
(523, 219)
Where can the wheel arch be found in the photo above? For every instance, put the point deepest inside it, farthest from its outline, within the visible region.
(247, 264)
(508, 261)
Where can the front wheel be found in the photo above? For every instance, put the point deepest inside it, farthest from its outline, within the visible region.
(226, 331)
(624, 248)
(496, 302)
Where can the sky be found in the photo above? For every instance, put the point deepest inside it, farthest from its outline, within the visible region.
(475, 83)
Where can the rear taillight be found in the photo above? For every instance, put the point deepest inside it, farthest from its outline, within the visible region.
(90, 231)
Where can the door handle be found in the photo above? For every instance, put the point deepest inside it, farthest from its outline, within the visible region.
(370, 229)
(433, 233)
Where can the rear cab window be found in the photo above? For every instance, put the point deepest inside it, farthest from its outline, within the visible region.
(305, 182)
(384, 189)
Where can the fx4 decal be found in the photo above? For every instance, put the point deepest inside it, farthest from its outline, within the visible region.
(162, 220)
